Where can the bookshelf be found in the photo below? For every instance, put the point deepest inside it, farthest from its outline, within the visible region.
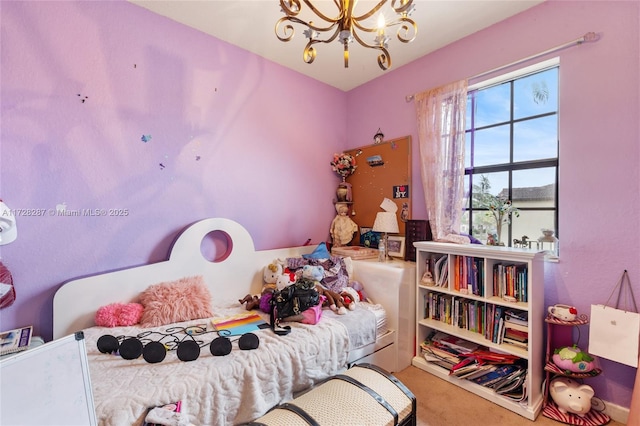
(464, 296)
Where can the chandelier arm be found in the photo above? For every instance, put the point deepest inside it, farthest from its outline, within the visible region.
(322, 15)
(363, 43)
(370, 13)
(291, 29)
(403, 8)
(309, 53)
(288, 31)
(289, 11)
(384, 59)
(405, 27)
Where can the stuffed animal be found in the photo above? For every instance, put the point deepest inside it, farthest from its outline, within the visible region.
(283, 281)
(359, 288)
(270, 275)
(333, 300)
(573, 359)
(313, 272)
(350, 297)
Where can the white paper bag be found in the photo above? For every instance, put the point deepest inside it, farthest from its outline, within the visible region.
(614, 334)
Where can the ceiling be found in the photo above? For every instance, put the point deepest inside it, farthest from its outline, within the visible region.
(250, 24)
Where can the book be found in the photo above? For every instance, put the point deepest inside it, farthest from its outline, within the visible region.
(513, 326)
(15, 340)
(517, 317)
(496, 375)
(238, 325)
(460, 345)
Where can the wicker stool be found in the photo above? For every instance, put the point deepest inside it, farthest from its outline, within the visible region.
(364, 395)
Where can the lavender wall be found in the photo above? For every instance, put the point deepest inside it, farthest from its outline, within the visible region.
(261, 135)
(599, 141)
(237, 136)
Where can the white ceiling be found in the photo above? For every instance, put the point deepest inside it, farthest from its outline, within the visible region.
(250, 24)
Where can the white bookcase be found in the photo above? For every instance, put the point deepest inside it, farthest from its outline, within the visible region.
(489, 262)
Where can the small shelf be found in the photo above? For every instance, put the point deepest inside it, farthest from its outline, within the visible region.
(592, 418)
(550, 408)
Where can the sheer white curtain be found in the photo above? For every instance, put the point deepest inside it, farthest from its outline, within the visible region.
(441, 121)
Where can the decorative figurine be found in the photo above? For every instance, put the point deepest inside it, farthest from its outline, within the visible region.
(342, 227)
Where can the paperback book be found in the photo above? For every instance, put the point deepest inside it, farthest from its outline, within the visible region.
(15, 340)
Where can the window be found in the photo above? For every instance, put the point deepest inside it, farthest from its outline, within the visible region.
(512, 154)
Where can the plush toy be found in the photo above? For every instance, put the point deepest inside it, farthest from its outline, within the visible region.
(270, 275)
(313, 272)
(359, 288)
(570, 396)
(333, 300)
(350, 297)
(573, 359)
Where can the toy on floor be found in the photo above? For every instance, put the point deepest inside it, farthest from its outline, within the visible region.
(571, 396)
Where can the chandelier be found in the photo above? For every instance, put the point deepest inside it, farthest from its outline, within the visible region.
(346, 27)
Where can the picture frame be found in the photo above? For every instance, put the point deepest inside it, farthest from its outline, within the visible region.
(396, 246)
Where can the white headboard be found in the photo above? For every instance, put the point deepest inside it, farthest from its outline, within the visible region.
(237, 273)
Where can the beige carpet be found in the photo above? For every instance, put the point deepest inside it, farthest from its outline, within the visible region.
(443, 404)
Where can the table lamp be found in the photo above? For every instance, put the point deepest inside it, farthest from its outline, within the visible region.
(386, 222)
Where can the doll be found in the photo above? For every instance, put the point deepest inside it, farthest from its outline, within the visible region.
(342, 227)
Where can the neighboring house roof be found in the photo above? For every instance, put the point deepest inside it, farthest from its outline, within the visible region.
(532, 193)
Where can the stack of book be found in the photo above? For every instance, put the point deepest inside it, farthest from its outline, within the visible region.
(445, 350)
(516, 331)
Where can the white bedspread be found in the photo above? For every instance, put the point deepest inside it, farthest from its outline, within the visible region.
(224, 390)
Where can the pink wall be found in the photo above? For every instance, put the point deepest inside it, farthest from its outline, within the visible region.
(599, 141)
(258, 129)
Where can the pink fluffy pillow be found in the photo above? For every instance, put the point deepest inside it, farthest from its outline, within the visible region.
(175, 301)
(119, 314)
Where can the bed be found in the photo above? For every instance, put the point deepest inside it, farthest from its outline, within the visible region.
(244, 384)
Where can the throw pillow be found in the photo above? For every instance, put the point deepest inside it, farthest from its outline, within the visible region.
(175, 301)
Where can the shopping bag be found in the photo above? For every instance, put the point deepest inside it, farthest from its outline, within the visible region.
(614, 333)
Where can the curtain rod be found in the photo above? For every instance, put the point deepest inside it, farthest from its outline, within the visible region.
(588, 37)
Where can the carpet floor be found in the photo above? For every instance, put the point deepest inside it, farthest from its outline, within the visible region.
(440, 403)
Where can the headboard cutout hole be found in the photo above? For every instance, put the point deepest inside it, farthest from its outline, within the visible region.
(216, 246)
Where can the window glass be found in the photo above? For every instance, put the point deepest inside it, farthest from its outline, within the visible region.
(491, 146)
(492, 105)
(536, 94)
(535, 139)
(511, 158)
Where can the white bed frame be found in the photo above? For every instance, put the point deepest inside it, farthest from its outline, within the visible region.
(238, 271)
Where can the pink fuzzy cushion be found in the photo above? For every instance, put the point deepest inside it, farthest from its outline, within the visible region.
(119, 314)
(175, 301)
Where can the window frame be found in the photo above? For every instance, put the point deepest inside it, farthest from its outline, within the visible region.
(472, 172)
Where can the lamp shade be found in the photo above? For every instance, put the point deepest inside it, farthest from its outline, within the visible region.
(386, 222)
